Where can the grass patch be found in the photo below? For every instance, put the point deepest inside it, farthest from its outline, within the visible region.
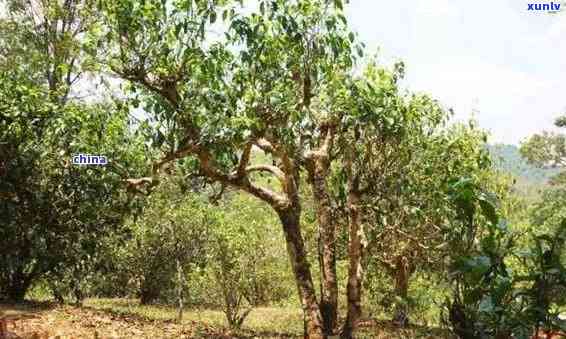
(266, 321)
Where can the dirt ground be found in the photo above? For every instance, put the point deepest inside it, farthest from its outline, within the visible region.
(50, 321)
(45, 321)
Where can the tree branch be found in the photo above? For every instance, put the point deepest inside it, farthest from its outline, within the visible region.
(241, 182)
(267, 168)
(244, 160)
(265, 146)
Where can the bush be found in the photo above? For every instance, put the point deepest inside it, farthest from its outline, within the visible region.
(168, 237)
(491, 298)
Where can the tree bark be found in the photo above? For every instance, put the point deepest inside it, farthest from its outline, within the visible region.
(148, 292)
(180, 287)
(355, 256)
(58, 297)
(77, 292)
(402, 273)
(16, 294)
(17, 287)
(327, 246)
(301, 269)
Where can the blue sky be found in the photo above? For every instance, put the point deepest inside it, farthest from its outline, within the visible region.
(491, 57)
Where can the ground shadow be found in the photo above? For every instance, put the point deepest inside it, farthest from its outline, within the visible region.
(26, 308)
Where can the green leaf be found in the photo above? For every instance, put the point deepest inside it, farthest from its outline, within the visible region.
(486, 305)
(360, 51)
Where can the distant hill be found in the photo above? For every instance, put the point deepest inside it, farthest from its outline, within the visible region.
(508, 158)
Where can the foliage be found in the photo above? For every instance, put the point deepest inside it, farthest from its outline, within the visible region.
(279, 79)
(546, 270)
(548, 213)
(276, 123)
(241, 264)
(411, 212)
(229, 272)
(547, 149)
(54, 213)
(222, 266)
(174, 227)
(482, 282)
(46, 39)
(492, 298)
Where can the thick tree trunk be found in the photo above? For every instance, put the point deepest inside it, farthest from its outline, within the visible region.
(79, 296)
(17, 287)
(327, 245)
(16, 294)
(76, 289)
(402, 273)
(58, 297)
(148, 293)
(355, 270)
(301, 269)
(462, 325)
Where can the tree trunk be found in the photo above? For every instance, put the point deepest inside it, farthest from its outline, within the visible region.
(462, 324)
(301, 269)
(180, 285)
(16, 294)
(355, 270)
(58, 297)
(327, 246)
(148, 292)
(76, 289)
(79, 296)
(17, 287)
(402, 273)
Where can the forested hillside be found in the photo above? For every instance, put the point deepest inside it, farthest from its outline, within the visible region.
(509, 159)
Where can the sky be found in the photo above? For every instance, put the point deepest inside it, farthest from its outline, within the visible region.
(488, 59)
